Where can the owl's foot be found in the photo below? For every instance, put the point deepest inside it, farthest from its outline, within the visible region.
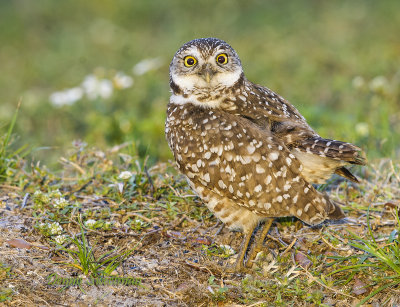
(239, 266)
(258, 245)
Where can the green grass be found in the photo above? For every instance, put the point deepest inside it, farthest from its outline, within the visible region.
(85, 260)
(7, 154)
(6, 294)
(107, 207)
(380, 261)
(336, 61)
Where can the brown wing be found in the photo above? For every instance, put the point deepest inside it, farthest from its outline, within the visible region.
(271, 112)
(234, 158)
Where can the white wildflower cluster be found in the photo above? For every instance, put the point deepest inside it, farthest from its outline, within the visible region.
(362, 129)
(139, 222)
(37, 193)
(92, 87)
(40, 198)
(55, 228)
(122, 81)
(379, 84)
(50, 229)
(146, 65)
(53, 197)
(90, 223)
(66, 97)
(107, 225)
(42, 226)
(60, 203)
(60, 239)
(228, 250)
(55, 194)
(125, 175)
(96, 86)
(358, 82)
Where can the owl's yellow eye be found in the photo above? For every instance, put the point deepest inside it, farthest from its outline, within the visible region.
(222, 58)
(189, 61)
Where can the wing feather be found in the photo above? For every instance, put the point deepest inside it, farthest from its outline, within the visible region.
(246, 164)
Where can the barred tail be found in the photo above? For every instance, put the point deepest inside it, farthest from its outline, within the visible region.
(333, 149)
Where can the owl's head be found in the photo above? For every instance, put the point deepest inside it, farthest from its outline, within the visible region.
(205, 64)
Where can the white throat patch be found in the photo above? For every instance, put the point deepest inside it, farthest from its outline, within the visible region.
(191, 82)
(195, 88)
(212, 103)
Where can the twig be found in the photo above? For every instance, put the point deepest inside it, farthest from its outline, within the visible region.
(174, 190)
(256, 304)
(6, 186)
(128, 215)
(106, 234)
(168, 292)
(330, 245)
(289, 247)
(278, 240)
(76, 166)
(394, 171)
(180, 221)
(198, 267)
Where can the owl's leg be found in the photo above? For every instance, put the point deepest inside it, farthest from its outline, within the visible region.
(243, 248)
(257, 247)
(239, 265)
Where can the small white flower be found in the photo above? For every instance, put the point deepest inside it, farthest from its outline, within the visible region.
(105, 88)
(120, 186)
(90, 223)
(227, 249)
(358, 82)
(125, 175)
(95, 87)
(43, 225)
(379, 84)
(41, 197)
(55, 228)
(122, 81)
(89, 85)
(56, 193)
(139, 222)
(60, 203)
(66, 97)
(107, 225)
(146, 65)
(60, 239)
(362, 129)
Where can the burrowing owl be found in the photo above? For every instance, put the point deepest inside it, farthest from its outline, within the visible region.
(246, 151)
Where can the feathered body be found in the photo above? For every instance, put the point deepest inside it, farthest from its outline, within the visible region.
(247, 152)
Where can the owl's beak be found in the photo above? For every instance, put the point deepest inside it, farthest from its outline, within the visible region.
(207, 73)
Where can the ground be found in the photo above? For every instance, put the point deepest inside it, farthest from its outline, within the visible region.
(165, 238)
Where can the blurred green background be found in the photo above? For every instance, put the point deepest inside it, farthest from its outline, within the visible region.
(338, 62)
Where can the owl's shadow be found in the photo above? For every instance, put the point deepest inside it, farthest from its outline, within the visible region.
(342, 221)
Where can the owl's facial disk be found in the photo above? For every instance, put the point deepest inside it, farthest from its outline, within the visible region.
(205, 64)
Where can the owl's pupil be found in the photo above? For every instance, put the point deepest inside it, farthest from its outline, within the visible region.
(190, 61)
(221, 60)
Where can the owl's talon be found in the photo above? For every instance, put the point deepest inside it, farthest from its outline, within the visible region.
(258, 245)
